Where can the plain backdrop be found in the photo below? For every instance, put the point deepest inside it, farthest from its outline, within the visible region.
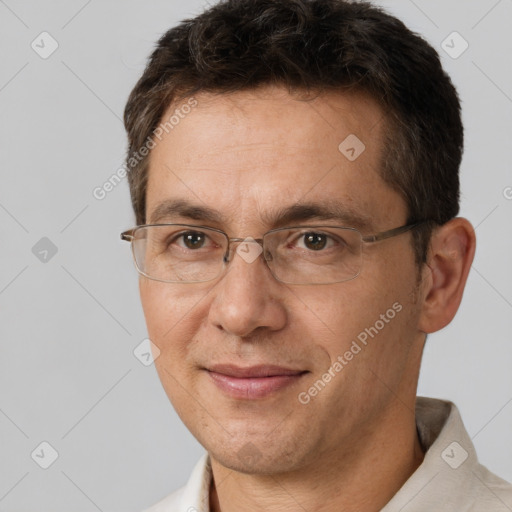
(69, 305)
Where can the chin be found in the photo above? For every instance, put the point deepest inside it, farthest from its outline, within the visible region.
(260, 455)
(250, 460)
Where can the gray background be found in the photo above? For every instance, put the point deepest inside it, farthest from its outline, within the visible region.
(69, 325)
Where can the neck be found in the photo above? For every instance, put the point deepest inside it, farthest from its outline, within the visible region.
(362, 477)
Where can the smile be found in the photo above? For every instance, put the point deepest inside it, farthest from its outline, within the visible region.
(253, 382)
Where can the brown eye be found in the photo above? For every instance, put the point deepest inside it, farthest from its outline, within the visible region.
(315, 241)
(193, 239)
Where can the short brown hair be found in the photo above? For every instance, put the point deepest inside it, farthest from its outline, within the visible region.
(315, 45)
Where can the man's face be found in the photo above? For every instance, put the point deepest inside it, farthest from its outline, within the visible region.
(248, 156)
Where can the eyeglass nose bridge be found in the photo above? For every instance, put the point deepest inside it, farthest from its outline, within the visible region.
(227, 256)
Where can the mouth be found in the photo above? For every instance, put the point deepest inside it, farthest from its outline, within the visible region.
(253, 382)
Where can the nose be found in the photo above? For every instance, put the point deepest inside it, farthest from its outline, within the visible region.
(247, 297)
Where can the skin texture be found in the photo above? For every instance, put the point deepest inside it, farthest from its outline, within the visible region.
(355, 443)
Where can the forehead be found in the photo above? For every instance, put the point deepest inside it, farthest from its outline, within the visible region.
(244, 154)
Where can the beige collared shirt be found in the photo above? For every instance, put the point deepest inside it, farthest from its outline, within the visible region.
(449, 479)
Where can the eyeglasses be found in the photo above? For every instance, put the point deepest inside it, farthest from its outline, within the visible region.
(183, 253)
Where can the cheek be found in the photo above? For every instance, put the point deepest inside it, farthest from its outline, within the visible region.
(367, 316)
(172, 316)
(343, 310)
(155, 307)
(172, 319)
(368, 348)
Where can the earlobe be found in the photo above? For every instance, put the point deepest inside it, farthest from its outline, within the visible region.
(451, 254)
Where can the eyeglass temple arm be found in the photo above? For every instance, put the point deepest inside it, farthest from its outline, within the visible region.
(392, 232)
(127, 235)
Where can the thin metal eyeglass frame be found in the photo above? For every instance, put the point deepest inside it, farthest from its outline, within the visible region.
(129, 236)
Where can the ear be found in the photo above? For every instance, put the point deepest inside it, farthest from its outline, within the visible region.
(451, 253)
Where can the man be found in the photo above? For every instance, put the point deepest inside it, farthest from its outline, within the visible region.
(294, 175)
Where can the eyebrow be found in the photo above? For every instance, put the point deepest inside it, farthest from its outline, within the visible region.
(171, 209)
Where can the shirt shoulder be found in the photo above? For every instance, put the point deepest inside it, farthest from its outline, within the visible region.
(490, 492)
(450, 478)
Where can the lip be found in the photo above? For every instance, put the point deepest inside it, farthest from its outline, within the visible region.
(253, 382)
